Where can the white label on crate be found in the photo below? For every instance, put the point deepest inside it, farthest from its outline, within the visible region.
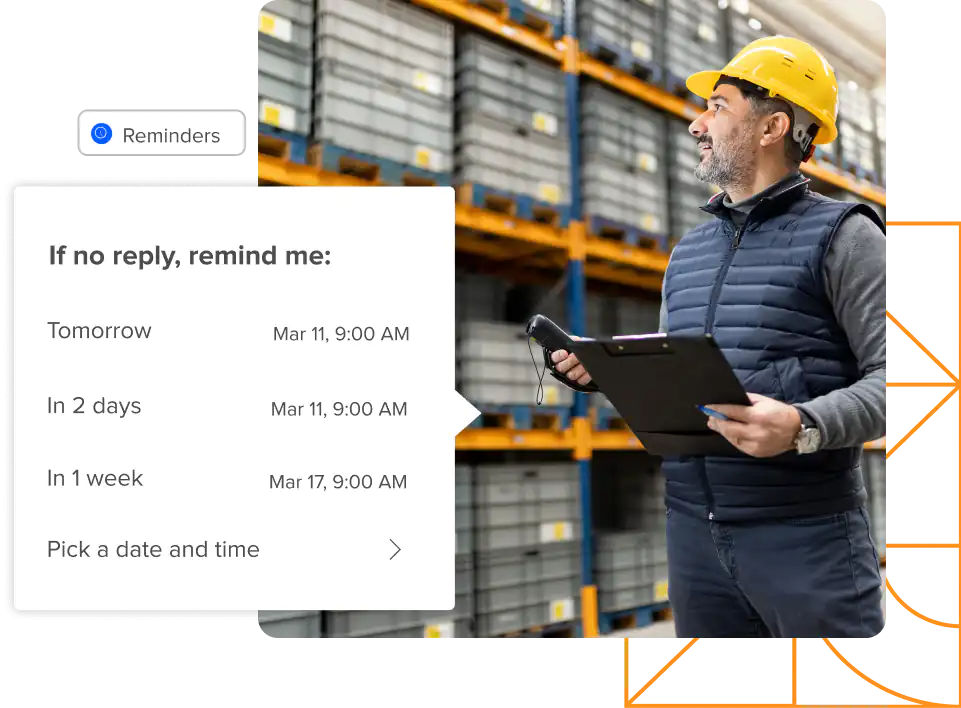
(542, 5)
(442, 630)
(554, 531)
(650, 222)
(425, 158)
(741, 6)
(660, 591)
(562, 610)
(549, 192)
(544, 123)
(647, 162)
(427, 82)
(279, 27)
(278, 115)
(707, 33)
(642, 50)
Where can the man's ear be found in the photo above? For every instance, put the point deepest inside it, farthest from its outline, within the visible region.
(776, 126)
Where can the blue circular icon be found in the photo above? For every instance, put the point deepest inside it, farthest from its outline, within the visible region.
(101, 133)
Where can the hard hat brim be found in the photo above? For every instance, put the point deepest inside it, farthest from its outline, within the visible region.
(702, 84)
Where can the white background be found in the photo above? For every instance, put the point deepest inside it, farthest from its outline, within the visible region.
(203, 51)
(63, 54)
(206, 442)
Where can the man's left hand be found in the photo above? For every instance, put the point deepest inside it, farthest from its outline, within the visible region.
(764, 429)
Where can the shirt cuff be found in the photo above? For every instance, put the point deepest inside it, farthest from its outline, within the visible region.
(806, 420)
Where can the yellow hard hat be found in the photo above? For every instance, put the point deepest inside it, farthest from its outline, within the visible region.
(788, 68)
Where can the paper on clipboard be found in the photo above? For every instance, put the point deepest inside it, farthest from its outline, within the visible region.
(653, 335)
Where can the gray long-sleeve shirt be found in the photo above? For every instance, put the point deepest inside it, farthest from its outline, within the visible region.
(854, 270)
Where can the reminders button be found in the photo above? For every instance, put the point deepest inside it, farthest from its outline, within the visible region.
(161, 132)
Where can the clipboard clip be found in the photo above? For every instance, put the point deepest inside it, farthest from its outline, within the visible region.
(552, 338)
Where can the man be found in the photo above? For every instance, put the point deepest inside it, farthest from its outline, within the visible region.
(791, 284)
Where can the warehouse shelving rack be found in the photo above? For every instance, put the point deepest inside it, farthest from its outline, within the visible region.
(569, 247)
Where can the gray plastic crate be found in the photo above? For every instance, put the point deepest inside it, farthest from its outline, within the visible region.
(856, 105)
(498, 369)
(524, 506)
(540, 81)
(519, 590)
(286, 624)
(284, 77)
(694, 37)
(857, 146)
(687, 193)
(627, 599)
(474, 343)
(633, 551)
(400, 26)
(882, 161)
(637, 316)
(289, 22)
(873, 469)
(412, 623)
(534, 164)
(464, 509)
(511, 118)
(479, 297)
(359, 112)
(740, 31)
(624, 166)
(511, 109)
(413, 67)
(630, 25)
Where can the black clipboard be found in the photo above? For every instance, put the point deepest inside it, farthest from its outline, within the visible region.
(657, 381)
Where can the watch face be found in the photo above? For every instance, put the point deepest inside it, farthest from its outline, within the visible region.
(808, 440)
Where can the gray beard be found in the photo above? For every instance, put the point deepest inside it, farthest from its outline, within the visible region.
(731, 169)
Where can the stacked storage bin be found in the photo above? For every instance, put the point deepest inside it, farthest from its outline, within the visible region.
(638, 315)
(631, 533)
(687, 193)
(384, 88)
(285, 67)
(511, 126)
(623, 33)
(742, 29)
(694, 40)
(631, 570)
(631, 315)
(857, 129)
(494, 367)
(479, 297)
(880, 119)
(873, 471)
(624, 164)
(290, 624)
(526, 543)
(414, 623)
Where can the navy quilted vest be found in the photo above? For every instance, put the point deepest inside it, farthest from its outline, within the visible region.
(759, 292)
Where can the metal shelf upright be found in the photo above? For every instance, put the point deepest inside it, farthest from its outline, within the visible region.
(577, 310)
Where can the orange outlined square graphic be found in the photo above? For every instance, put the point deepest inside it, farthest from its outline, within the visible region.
(946, 382)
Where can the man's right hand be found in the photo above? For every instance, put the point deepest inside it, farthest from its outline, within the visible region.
(567, 364)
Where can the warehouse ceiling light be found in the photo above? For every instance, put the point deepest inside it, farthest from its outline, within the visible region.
(754, 24)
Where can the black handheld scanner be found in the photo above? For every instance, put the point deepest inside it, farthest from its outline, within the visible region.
(543, 331)
(552, 338)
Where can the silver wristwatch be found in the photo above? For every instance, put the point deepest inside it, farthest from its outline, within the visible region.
(808, 439)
